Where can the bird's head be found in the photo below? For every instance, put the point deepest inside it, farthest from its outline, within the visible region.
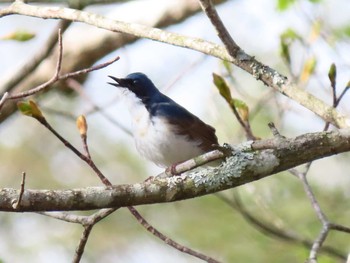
(138, 83)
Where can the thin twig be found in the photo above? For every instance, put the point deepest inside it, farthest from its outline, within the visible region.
(184, 71)
(336, 100)
(232, 49)
(88, 223)
(319, 213)
(78, 219)
(274, 130)
(57, 76)
(64, 216)
(82, 243)
(167, 240)
(272, 230)
(345, 90)
(53, 79)
(85, 158)
(221, 30)
(245, 124)
(41, 54)
(3, 99)
(17, 204)
(46, 84)
(87, 70)
(76, 86)
(61, 77)
(339, 228)
(85, 146)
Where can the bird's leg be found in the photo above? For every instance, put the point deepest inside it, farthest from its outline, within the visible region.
(148, 179)
(171, 170)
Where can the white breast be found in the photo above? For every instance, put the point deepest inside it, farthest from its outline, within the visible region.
(156, 141)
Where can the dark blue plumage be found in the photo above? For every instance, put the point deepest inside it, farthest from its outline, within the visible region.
(164, 131)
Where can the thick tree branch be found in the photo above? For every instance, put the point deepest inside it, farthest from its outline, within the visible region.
(269, 76)
(254, 161)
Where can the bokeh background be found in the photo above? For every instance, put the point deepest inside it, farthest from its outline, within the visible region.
(206, 224)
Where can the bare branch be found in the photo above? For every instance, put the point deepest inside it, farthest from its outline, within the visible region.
(274, 130)
(88, 223)
(61, 77)
(3, 99)
(168, 240)
(83, 157)
(321, 216)
(268, 75)
(248, 63)
(56, 76)
(249, 161)
(100, 43)
(49, 82)
(221, 30)
(345, 90)
(339, 228)
(41, 54)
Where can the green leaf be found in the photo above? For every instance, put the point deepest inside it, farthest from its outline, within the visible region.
(283, 5)
(289, 35)
(222, 86)
(25, 108)
(19, 35)
(342, 32)
(31, 109)
(332, 74)
(234, 103)
(286, 39)
(285, 51)
(308, 69)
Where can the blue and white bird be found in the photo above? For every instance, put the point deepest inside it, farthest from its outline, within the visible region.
(164, 131)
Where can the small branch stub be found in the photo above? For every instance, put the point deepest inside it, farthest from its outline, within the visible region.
(17, 203)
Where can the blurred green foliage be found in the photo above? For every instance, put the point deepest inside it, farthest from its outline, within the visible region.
(283, 5)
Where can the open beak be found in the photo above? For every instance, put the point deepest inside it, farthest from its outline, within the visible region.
(123, 83)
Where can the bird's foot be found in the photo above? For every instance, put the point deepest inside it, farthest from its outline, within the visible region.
(171, 170)
(226, 149)
(151, 178)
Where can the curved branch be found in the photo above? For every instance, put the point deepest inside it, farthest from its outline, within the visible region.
(251, 161)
